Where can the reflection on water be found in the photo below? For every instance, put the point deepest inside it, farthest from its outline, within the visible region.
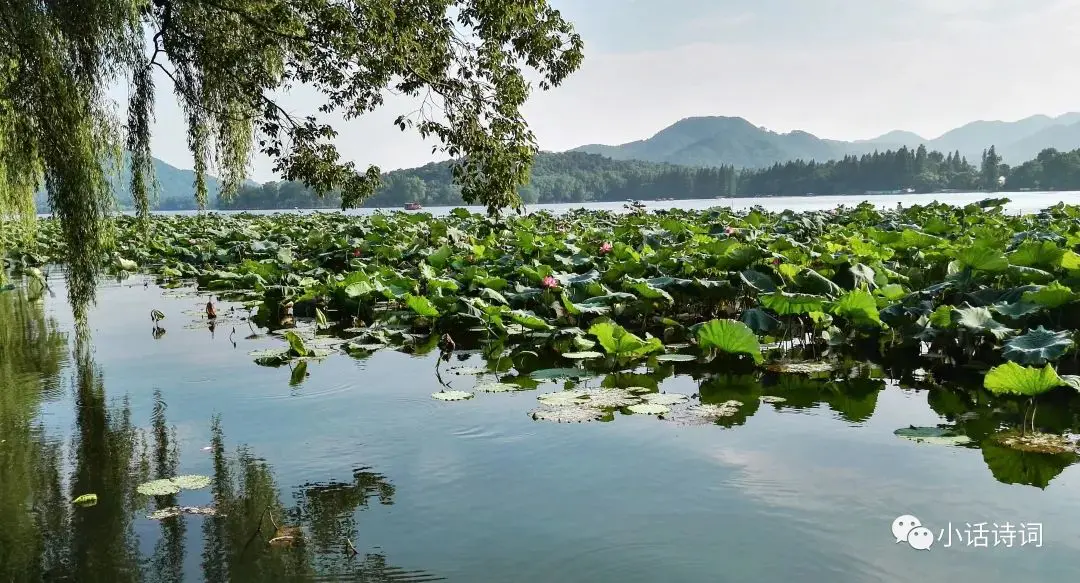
(357, 474)
(45, 537)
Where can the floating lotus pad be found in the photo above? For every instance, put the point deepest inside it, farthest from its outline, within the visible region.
(649, 409)
(586, 355)
(467, 370)
(563, 398)
(675, 357)
(665, 398)
(611, 398)
(567, 414)
(801, 367)
(933, 435)
(772, 399)
(452, 395)
(713, 412)
(497, 388)
(174, 511)
(170, 486)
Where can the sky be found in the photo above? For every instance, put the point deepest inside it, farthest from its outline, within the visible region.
(839, 69)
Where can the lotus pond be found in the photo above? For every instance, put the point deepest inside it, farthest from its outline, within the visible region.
(671, 396)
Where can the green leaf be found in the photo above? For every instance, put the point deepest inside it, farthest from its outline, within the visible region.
(933, 435)
(730, 336)
(1037, 347)
(298, 374)
(85, 500)
(1051, 296)
(891, 292)
(647, 291)
(584, 355)
(529, 320)
(758, 281)
(320, 319)
(813, 282)
(617, 341)
(1012, 379)
(859, 306)
(1033, 253)
(980, 320)
(421, 306)
(788, 304)
(548, 374)
(980, 258)
(296, 344)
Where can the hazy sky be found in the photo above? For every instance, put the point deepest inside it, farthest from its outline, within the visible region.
(842, 69)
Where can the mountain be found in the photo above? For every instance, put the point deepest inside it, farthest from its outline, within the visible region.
(895, 138)
(175, 188)
(715, 141)
(1060, 137)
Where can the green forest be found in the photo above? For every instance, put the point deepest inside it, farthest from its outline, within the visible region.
(575, 177)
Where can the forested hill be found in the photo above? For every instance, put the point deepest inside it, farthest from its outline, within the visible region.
(575, 177)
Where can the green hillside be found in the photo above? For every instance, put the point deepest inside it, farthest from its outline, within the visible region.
(577, 177)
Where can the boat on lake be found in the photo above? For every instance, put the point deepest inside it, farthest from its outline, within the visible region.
(413, 206)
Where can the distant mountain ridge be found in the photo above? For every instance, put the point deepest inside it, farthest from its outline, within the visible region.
(175, 188)
(720, 140)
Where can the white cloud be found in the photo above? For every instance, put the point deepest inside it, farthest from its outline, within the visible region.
(842, 70)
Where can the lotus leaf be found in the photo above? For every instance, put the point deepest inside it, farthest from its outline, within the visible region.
(649, 409)
(562, 398)
(567, 414)
(1051, 296)
(1011, 378)
(672, 357)
(452, 395)
(981, 258)
(548, 374)
(980, 320)
(1037, 347)
(666, 398)
(610, 398)
(933, 435)
(859, 306)
(617, 341)
(586, 355)
(730, 336)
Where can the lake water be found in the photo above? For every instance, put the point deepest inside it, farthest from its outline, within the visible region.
(358, 454)
(1021, 202)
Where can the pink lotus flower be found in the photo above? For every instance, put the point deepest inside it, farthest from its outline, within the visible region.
(776, 261)
(729, 231)
(356, 253)
(549, 283)
(605, 248)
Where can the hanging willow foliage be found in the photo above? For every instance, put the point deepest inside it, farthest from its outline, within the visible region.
(225, 59)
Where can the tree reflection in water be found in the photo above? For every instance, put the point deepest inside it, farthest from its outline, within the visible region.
(43, 537)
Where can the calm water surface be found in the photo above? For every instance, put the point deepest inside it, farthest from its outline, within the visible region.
(473, 490)
(1020, 202)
